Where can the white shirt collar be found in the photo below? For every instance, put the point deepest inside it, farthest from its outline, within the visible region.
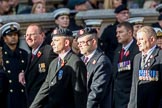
(36, 50)
(90, 55)
(128, 45)
(63, 55)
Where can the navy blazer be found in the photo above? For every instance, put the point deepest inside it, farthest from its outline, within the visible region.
(37, 69)
(122, 75)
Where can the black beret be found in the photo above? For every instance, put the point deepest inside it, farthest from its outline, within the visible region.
(120, 8)
(160, 17)
(62, 32)
(86, 31)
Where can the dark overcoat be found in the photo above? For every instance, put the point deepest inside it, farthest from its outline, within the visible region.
(37, 69)
(99, 81)
(122, 75)
(14, 62)
(64, 87)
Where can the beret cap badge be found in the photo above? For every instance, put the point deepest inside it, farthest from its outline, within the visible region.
(12, 27)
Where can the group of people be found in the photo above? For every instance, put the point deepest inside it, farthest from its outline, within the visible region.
(120, 69)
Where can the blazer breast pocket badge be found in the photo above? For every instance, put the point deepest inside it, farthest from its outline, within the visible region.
(60, 74)
(42, 67)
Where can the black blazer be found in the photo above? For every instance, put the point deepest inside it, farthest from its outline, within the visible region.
(123, 76)
(99, 81)
(37, 69)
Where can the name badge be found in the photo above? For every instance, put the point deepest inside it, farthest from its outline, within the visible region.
(148, 75)
(42, 67)
(123, 66)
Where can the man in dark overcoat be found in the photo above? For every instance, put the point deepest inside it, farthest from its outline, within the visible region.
(99, 70)
(38, 60)
(123, 65)
(65, 85)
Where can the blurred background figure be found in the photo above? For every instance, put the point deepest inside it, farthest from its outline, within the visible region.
(150, 4)
(112, 4)
(159, 8)
(5, 7)
(61, 17)
(61, 20)
(31, 3)
(95, 24)
(81, 5)
(16, 6)
(159, 36)
(38, 8)
(159, 23)
(137, 23)
(14, 62)
(108, 37)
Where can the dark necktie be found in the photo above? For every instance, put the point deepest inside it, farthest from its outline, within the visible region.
(32, 58)
(143, 61)
(121, 54)
(85, 60)
(59, 63)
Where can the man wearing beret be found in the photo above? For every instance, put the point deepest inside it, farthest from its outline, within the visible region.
(99, 70)
(14, 62)
(108, 37)
(65, 84)
(38, 60)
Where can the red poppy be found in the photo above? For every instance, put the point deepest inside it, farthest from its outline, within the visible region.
(39, 54)
(127, 53)
(63, 63)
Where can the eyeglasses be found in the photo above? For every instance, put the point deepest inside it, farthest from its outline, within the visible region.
(85, 42)
(32, 34)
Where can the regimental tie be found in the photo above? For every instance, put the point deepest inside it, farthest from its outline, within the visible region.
(121, 54)
(32, 58)
(143, 61)
(59, 63)
(85, 60)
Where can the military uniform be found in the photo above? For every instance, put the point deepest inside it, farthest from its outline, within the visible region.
(157, 24)
(122, 71)
(3, 88)
(14, 63)
(146, 91)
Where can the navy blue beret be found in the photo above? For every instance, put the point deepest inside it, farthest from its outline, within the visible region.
(86, 31)
(120, 8)
(62, 32)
